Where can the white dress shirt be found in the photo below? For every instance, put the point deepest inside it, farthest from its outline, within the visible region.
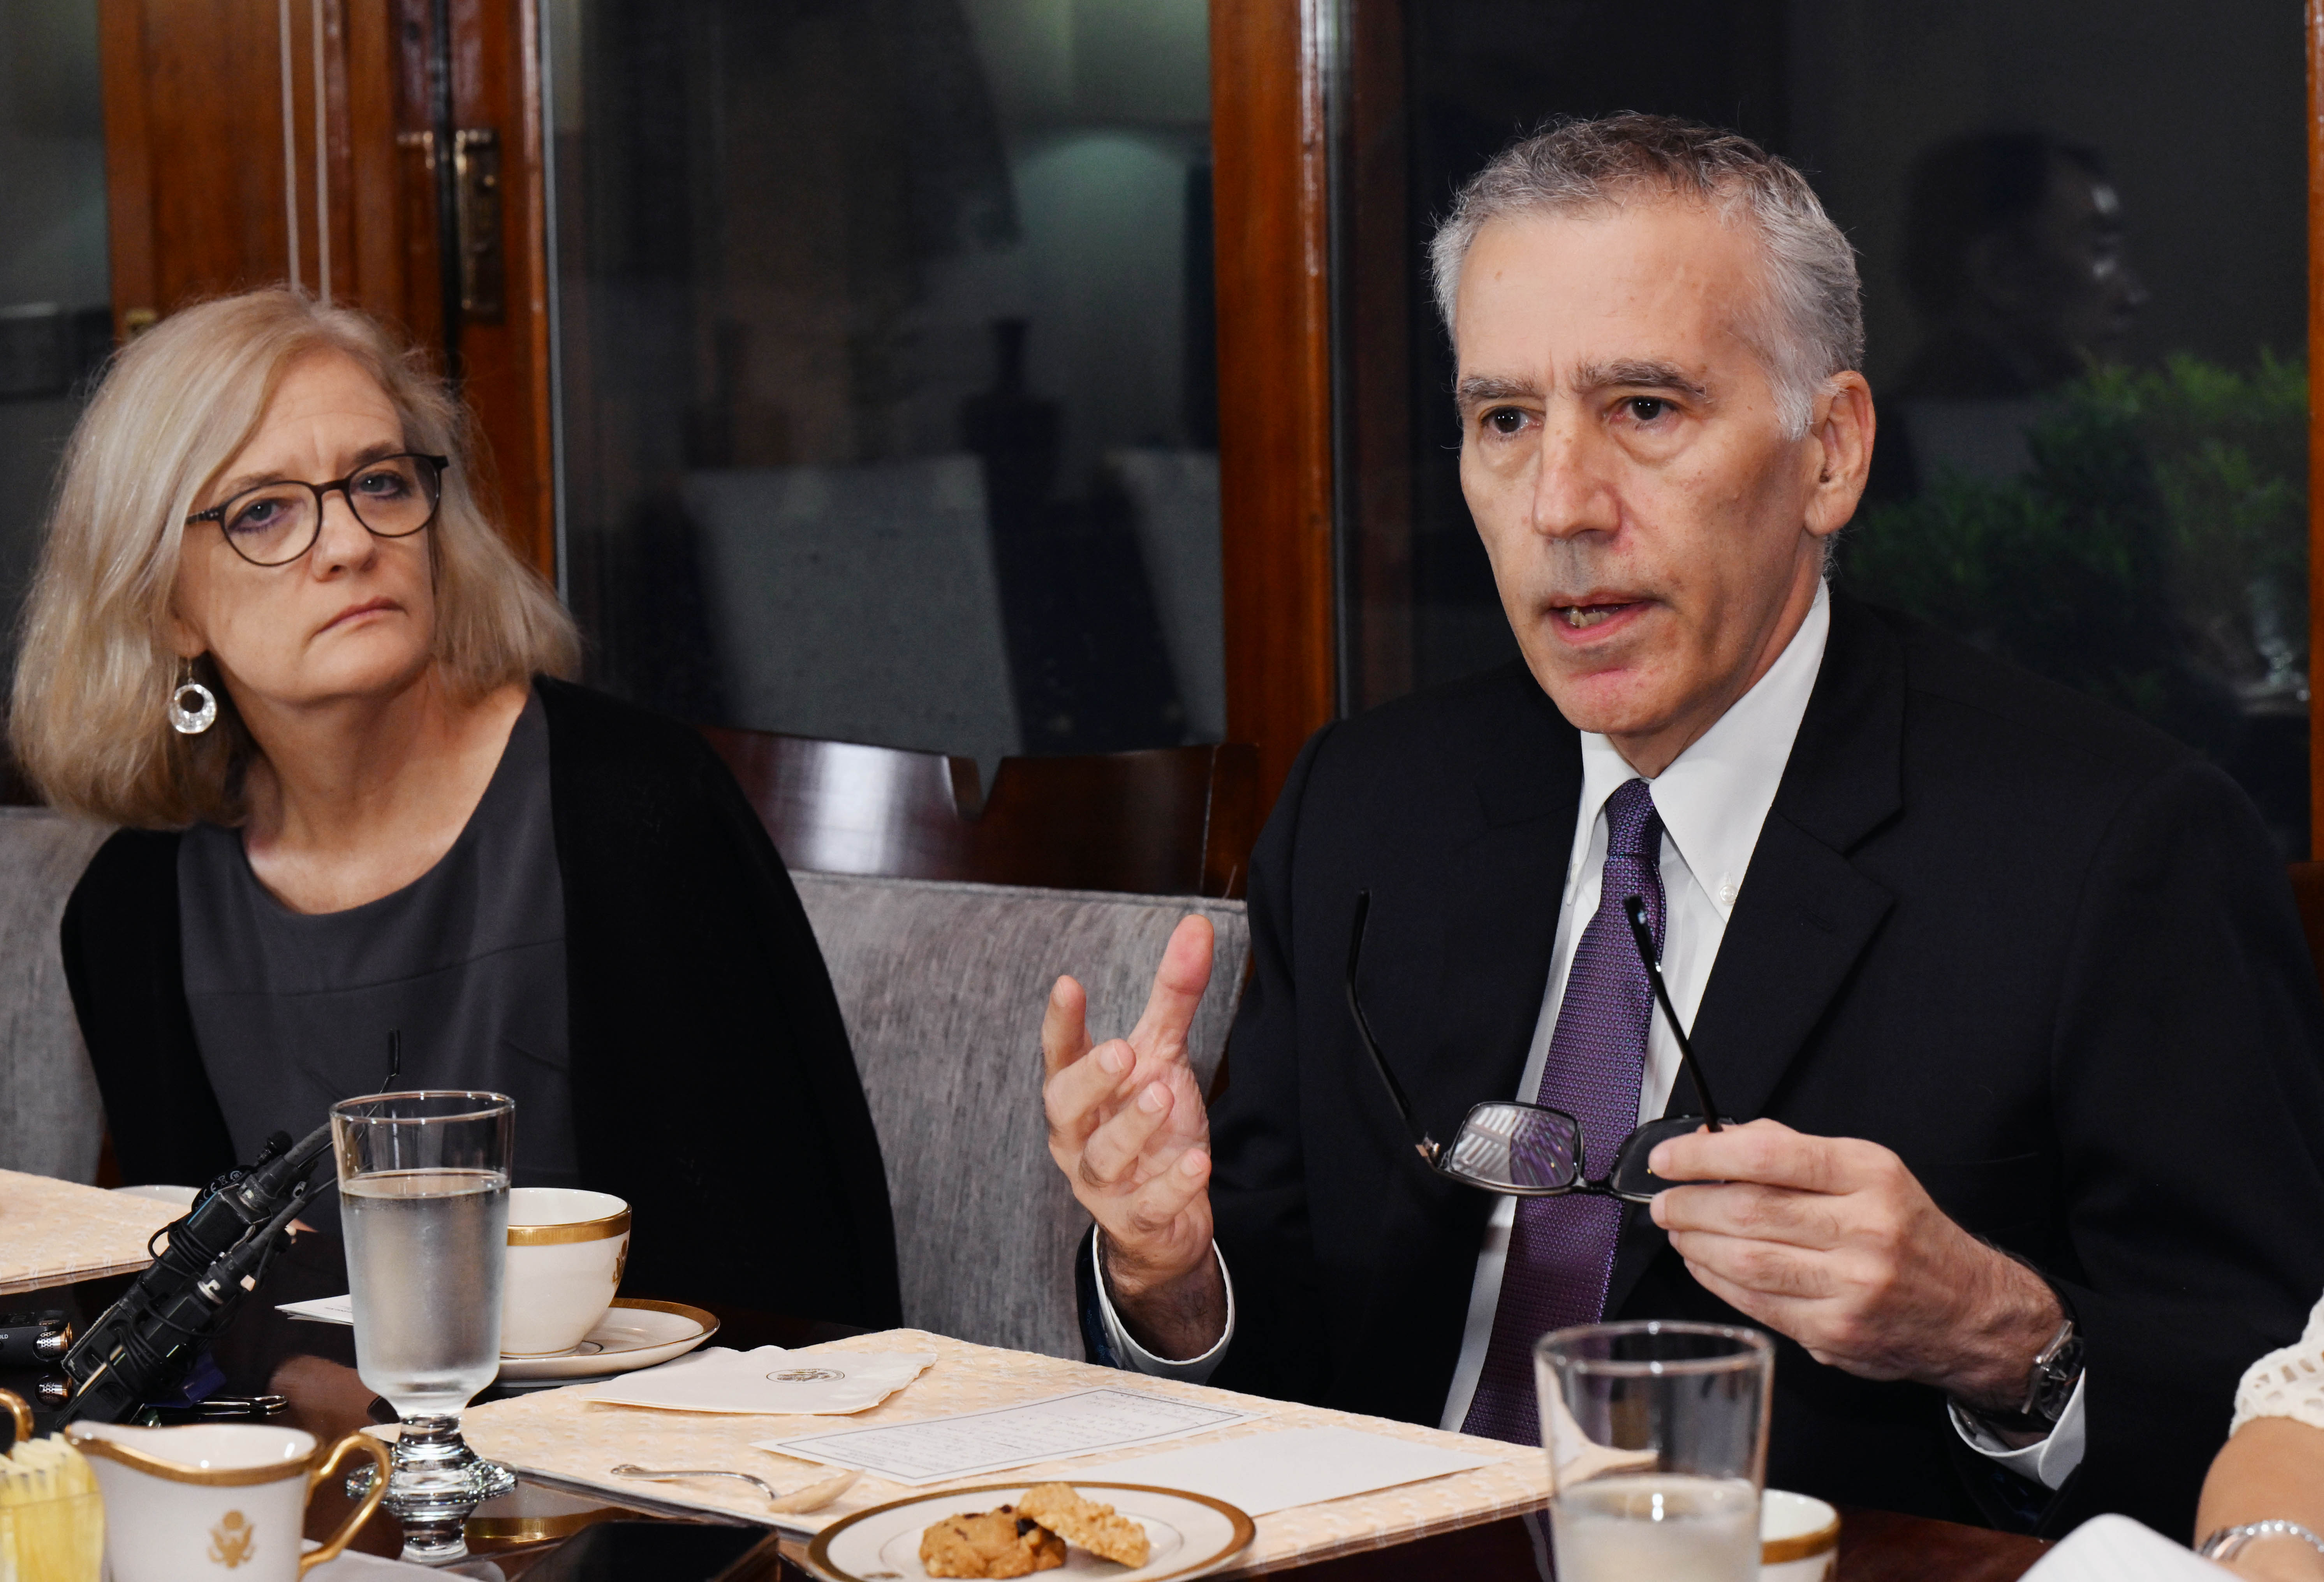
(1712, 799)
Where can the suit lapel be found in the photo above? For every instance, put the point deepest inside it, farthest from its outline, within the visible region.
(1504, 885)
(1788, 949)
(1805, 913)
(1499, 881)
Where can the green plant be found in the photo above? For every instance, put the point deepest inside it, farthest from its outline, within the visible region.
(2155, 553)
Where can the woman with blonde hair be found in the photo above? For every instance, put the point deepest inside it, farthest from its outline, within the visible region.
(275, 635)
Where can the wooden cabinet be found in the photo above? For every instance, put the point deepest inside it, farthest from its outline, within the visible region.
(1268, 65)
(252, 143)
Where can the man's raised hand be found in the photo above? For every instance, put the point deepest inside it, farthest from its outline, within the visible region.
(1127, 1126)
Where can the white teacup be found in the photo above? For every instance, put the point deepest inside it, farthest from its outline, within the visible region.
(566, 1251)
(1799, 1538)
(215, 1499)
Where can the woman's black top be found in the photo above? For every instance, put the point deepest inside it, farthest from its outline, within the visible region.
(463, 970)
(710, 1083)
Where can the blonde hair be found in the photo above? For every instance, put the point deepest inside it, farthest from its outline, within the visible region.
(94, 665)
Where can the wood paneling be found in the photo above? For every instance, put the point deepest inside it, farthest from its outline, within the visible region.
(1268, 60)
(194, 165)
(2315, 421)
(128, 165)
(203, 201)
(504, 360)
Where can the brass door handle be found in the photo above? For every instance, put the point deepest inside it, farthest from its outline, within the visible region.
(476, 216)
(476, 178)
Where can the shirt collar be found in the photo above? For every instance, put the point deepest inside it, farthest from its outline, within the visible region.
(1714, 796)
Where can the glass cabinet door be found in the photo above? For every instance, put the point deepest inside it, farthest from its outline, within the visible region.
(2081, 227)
(887, 408)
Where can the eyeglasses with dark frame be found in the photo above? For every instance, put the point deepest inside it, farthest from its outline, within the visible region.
(1529, 1150)
(392, 496)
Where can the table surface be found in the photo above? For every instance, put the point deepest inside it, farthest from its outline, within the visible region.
(312, 1366)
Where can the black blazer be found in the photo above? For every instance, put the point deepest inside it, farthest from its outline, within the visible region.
(713, 1085)
(2043, 952)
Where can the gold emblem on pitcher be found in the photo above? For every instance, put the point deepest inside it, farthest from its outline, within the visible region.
(232, 1539)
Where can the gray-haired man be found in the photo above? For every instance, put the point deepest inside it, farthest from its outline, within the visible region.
(2009, 987)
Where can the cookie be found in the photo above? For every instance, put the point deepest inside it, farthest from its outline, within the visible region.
(1085, 1524)
(990, 1544)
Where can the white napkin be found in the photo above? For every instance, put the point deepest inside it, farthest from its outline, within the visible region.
(323, 1309)
(770, 1382)
(2115, 1548)
(1278, 1470)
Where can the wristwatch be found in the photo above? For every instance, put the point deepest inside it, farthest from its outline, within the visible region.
(2057, 1369)
(2049, 1384)
(2228, 1541)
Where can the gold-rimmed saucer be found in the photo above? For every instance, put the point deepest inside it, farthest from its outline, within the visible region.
(635, 1333)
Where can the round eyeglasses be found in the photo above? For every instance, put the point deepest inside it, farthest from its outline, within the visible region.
(274, 523)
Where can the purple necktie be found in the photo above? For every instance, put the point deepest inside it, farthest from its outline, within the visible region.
(1561, 1249)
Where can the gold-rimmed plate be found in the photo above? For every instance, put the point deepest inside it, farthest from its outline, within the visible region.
(634, 1333)
(1191, 1534)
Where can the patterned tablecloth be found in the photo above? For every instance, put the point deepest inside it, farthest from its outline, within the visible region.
(558, 1435)
(53, 1232)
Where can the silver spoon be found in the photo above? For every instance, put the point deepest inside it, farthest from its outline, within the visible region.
(808, 1497)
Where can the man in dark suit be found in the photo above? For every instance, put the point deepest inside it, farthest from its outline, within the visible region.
(2008, 988)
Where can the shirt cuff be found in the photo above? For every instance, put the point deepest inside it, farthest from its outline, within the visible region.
(1194, 1370)
(2049, 1462)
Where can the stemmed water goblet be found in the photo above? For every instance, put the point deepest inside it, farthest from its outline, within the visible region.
(423, 1204)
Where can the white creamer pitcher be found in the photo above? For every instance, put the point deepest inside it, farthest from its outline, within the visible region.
(216, 1500)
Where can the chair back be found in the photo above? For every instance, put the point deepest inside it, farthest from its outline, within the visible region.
(1167, 821)
(51, 1120)
(858, 602)
(943, 985)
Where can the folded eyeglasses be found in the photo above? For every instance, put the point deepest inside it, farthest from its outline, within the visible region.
(1529, 1150)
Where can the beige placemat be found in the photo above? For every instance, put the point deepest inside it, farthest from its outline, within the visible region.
(558, 1435)
(53, 1232)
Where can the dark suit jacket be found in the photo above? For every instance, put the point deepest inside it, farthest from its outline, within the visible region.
(713, 1085)
(2043, 952)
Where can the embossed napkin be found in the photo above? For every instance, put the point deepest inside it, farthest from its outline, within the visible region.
(770, 1382)
(2115, 1548)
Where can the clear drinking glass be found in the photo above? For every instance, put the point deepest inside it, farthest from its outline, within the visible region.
(423, 1204)
(1657, 1440)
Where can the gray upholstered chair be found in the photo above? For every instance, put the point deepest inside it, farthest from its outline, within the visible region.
(943, 986)
(51, 1122)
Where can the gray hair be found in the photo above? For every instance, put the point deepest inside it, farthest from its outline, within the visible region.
(1810, 322)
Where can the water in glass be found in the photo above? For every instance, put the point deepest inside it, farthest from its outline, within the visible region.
(1667, 1526)
(425, 1253)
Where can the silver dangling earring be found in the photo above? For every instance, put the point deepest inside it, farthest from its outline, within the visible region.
(193, 708)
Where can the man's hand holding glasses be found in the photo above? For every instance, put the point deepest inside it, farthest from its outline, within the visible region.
(1828, 1240)
(1832, 1242)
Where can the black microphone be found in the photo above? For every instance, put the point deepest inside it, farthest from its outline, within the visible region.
(143, 1347)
